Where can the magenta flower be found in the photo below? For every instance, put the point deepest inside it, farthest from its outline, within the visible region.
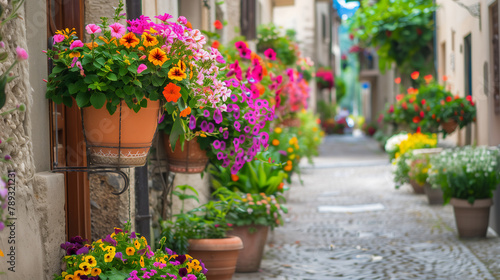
(141, 68)
(58, 38)
(92, 29)
(21, 54)
(182, 20)
(164, 17)
(217, 116)
(192, 122)
(270, 54)
(2, 44)
(240, 45)
(216, 144)
(117, 30)
(245, 53)
(206, 113)
(76, 44)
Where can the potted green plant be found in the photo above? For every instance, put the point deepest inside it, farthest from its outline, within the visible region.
(468, 176)
(419, 168)
(202, 233)
(123, 255)
(252, 214)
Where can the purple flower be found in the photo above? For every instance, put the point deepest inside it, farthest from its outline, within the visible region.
(110, 240)
(242, 138)
(237, 126)
(204, 125)
(192, 122)
(206, 113)
(119, 255)
(221, 129)
(234, 98)
(77, 239)
(222, 145)
(211, 127)
(220, 155)
(217, 116)
(225, 163)
(183, 272)
(181, 258)
(7, 157)
(251, 120)
(236, 114)
(83, 250)
(255, 130)
(162, 117)
(225, 134)
(216, 144)
(282, 152)
(175, 262)
(247, 129)
(264, 136)
(133, 235)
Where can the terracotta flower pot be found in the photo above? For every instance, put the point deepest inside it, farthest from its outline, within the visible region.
(137, 130)
(253, 242)
(472, 220)
(417, 188)
(449, 126)
(218, 255)
(434, 196)
(190, 160)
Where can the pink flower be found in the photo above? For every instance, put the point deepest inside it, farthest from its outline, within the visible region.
(164, 17)
(76, 44)
(270, 54)
(141, 68)
(117, 30)
(58, 38)
(2, 44)
(182, 20)
(21, 54)
(92, 29)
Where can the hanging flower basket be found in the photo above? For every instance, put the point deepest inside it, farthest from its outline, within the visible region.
(122, 139)
(449, 126)
(190, 160)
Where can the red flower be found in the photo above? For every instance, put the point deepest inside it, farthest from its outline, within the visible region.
(391, 109)
(461, 118)
(397, 80)
(399, 97)
(456, 96)
(415, 106)
(433, 116)
(442, 102)
(419, 130)
(343, 57)
(404, 105)
(419, 31)
(388, 33)
(423, 101)
(449, 99)
(415, 75)
(445, 78)
(428, 78)
(215, 44)
(416, 119)
(351, 36)
(218, 24)
(422, 114)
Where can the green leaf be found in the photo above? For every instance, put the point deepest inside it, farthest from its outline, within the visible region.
(184, 93)
(68, 101)
(122, 71)
(3, 56)
(157, 81)
(97, 99)
(82, 99)
(111, 108)
(58, 69)
(177, 130)
(120, 93)
(137, 83)
(144, 103)
(112, 77)
(73, 88)
(170, 107)
(129, 90)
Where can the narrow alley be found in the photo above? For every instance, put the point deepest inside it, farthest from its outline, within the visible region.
(347, 221)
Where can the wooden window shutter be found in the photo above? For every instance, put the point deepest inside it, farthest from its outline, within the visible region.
(248, 19)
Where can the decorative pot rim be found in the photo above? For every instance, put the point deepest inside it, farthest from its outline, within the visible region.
(228, 243)
(478, 203)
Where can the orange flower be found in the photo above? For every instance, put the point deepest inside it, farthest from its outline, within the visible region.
(234, 177)
(397, 80)
(91, 46)
(112, 40)
(215, 44)
(185, 112)
(399, 97)
(129, 40)
(189, 25)
(157, 56)
(428, 78)
(172, 92)
(445, 78)
(148, 40)
(176, 73)
(141, 48)
(261, 88)
(415, 75)
(218, 24)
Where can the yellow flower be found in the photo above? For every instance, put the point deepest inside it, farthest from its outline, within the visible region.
(275, 142)
(113, 234)
(91, 261)
(129, 40)
(137, 244)
(287, 168)
(130, 251)
(148, 40)
(157, 56)
(203, 135)
(291, 157)
(290, 150)
(182, 65)
(177, 74)
(95, 271)
(110, 249)
(109, 257)
(278, 130)
(64, 273)
(152, 31)
(126, 61)
(142, 261)
(74, 54)
(315, 129)
(84, 266)
(79, 273)
(69, 277)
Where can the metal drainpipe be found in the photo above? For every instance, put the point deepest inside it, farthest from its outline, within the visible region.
(142, 216)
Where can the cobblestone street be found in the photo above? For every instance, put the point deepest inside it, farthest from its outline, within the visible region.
(396, 236)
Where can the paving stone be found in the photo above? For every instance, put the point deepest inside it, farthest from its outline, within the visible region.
(408, 239)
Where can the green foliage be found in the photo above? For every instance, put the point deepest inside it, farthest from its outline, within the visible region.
(340, 88)
(402, 169)
(466, 173)
(206, 221)
(254, 209)
(419, 168)
(400, 30)
(269, 36)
